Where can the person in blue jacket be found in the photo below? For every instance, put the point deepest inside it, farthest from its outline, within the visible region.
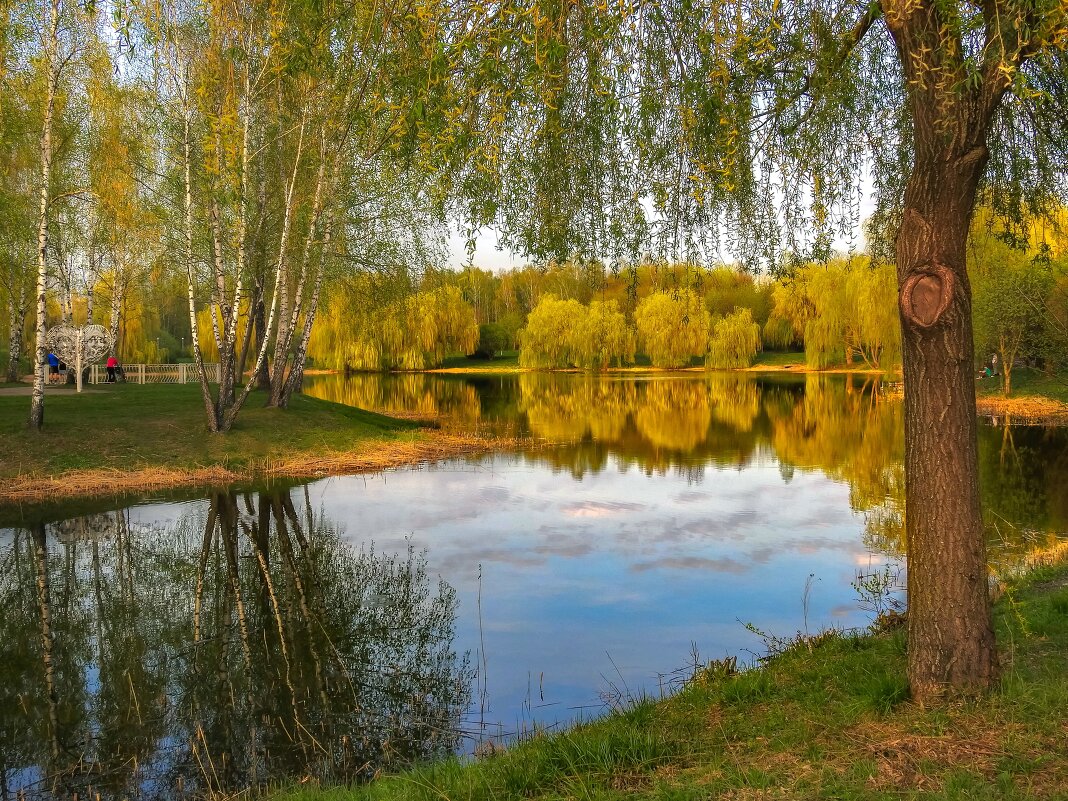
(53, 368)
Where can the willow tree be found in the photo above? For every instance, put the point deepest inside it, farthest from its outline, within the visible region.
(685, 124)
(672, 327)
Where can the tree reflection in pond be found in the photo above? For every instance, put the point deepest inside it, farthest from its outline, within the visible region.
(843, 426)
(245, 645)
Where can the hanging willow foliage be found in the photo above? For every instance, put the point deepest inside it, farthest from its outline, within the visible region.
(735, 341)
(415, 332)
(672, 328)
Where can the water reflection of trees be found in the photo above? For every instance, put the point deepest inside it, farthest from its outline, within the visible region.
(843, 426)
(412, 394)
(245, 645)
(656, 423)
(1024, 479)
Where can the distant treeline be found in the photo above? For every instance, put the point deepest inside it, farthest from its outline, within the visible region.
(589, 315)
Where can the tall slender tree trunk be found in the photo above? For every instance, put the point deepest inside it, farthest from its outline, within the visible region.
(263, 374)
(198, 356)
(51, 47)
(16, 315)
(951, 637)
(117, 291)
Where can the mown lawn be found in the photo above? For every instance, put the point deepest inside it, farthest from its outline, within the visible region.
(775, 358)
(830, 718)
(508, 358)
(127, 426)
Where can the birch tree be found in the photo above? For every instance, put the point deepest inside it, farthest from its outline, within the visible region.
(55, 51)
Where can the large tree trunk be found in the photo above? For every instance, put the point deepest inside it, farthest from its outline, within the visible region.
(951, 637)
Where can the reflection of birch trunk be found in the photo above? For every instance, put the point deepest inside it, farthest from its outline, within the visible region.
(51, 59)
(261, 540)
(286, 547)
(230, 545)
(44, 611)
(98, 593)
(291, 514)
(228, 525)
(268, 583)
(205, 549)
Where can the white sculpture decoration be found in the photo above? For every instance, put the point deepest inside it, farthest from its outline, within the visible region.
(79, 346)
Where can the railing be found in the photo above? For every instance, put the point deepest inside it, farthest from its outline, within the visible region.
(183, 373)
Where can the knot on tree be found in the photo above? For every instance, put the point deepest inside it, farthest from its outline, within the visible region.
(926, 294)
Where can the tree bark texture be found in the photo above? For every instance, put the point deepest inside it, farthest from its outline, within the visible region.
(16, 315)
(51, 48)
(951, 645)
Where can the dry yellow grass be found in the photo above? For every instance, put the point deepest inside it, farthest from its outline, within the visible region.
(370, 456)
(1026, 409)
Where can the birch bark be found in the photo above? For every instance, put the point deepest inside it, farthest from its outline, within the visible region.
(51, 54)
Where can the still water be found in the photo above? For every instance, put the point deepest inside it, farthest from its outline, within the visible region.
(172, 647)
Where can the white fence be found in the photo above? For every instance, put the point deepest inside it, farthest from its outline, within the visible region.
(156, 373)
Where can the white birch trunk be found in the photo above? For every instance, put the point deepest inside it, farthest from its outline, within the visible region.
(278, 278)
(117, 292)
(16, 316)
(51, 48)
(285, 338)
(187, 157)
(295, 380)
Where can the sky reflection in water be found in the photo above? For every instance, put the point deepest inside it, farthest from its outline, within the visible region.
(663, 514)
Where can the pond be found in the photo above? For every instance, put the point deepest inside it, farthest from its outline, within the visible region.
(175, 646)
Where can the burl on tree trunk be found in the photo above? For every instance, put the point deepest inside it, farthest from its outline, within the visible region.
(950, 633)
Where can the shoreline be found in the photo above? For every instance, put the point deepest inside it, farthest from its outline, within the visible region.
(756, 368)
(369, 457)
(816, 715)
(1023, 410)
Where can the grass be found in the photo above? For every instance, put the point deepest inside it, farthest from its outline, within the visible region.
(775, 358)
(128, 426)
(1026, 382)
(508, 358)
(828, 718)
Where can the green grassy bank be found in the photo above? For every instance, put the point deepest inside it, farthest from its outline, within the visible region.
(126, 426)
(829, 718)
(1027, 382)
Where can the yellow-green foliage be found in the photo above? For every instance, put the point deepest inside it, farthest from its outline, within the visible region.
(409, 333)
(601, 335)
(779, 332)
(565, 333)
(844, 310)
(727, 289)
(672, 327)
(547, 339)
(735, 340)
